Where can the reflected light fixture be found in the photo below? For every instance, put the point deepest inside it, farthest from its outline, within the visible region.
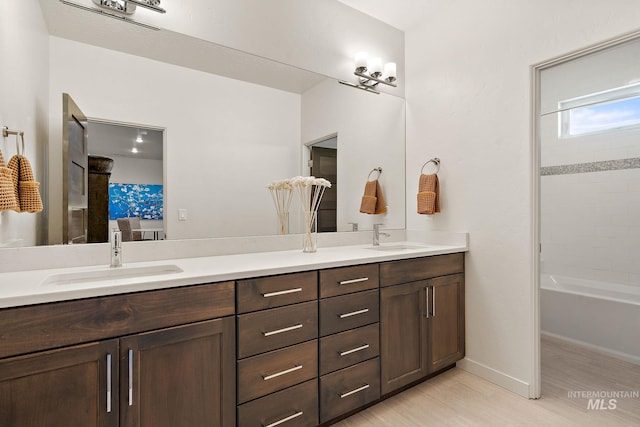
(134, 150)
(129, 6)
(370, 73)
(139, 139)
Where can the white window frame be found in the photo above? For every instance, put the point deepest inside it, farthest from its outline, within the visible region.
(608, 96)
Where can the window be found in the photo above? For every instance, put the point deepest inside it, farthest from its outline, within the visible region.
(603, 111)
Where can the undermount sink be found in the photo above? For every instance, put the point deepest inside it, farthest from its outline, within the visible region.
(108, 274)
(401, 247)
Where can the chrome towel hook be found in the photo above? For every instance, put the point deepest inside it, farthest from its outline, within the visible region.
(18, 133)
(378, 169)
(435, 161)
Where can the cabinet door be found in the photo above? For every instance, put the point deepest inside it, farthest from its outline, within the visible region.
(71, 387)
(446, 321)
(182, 376)
(403, 335)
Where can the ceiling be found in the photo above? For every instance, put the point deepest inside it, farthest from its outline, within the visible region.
(401, 14)
(107, 139)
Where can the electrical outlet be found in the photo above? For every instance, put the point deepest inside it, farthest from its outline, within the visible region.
(182, 214)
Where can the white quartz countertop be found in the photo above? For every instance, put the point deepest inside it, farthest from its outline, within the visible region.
(43, 286)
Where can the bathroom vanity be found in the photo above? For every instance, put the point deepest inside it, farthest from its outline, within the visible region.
(305, 346)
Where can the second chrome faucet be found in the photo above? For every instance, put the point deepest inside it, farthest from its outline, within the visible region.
(377, 233)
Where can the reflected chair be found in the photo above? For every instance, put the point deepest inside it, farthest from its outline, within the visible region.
(127, 227)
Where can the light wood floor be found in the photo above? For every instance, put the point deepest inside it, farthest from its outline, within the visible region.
(458, 398)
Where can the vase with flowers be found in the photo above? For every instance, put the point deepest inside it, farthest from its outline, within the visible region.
(310, 189)
(281, 193)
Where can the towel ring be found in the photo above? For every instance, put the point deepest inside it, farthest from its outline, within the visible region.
(435, 161)
(378, 169)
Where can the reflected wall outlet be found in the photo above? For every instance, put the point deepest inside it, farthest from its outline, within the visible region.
(182, 214)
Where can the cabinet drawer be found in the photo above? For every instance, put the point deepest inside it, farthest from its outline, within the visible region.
(276, 328)
(276, 291)
(298, 405)
(338, 314)
(40, 327)
(349, 389)
(411, 270)
(348, 348)
(345, 280)
(276, 370)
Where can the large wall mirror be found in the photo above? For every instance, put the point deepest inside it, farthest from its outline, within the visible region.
(227, 133)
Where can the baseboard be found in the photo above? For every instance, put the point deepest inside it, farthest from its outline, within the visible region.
(499, 378)
(595, 348)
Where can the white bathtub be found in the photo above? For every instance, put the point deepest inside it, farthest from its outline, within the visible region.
(602, 316)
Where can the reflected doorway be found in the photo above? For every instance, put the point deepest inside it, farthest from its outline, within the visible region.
(324, 164)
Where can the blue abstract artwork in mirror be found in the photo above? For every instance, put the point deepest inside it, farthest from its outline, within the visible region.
(135, 200)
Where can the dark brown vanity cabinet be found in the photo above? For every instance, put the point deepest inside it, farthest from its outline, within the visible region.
(278, 350)
(349, 343)
(158, 358)
(422, 318)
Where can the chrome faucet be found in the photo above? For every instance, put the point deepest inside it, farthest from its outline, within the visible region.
(377, 233)
(116, 248)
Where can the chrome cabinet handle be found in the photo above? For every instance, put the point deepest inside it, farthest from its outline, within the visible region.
(277, 374)
(427, 301)
(130, 377)
(354, 350)
(280, 331)
(108, 382)
(354, 313)
(348, 282)
(433, 304)
(358, 390)
(284, 420)
(285, 292)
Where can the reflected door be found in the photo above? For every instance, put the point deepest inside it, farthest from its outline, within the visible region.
(324, 164)
(75, 173)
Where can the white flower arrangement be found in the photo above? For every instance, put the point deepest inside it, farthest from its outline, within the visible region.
(281, 193)
(310, 189)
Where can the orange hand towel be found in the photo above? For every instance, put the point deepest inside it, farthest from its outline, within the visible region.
(373, 201)
(428, 194)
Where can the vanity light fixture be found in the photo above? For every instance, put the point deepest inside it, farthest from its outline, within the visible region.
(370, 73)
(129, 6)
(104, 12)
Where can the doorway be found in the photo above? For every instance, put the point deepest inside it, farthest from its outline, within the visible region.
(586, 201)
(324, 164)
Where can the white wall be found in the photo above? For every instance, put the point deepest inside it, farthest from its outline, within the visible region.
(371, 134)
(23, 103)
(469, 103)
(216, 129)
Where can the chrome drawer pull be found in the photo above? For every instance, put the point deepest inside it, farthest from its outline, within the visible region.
(108, 382)
(353, 350)
(278, 293)
(130, 377)
(348, 282)
(354, 313)
(358, 390)
(288, 371)
(284, 420)
(279, 331)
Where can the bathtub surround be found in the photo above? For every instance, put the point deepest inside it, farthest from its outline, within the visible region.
(601, 166)
(604, 317)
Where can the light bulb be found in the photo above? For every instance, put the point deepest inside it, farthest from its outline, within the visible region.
(375, 67)
(390, 71)
(361, 62)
